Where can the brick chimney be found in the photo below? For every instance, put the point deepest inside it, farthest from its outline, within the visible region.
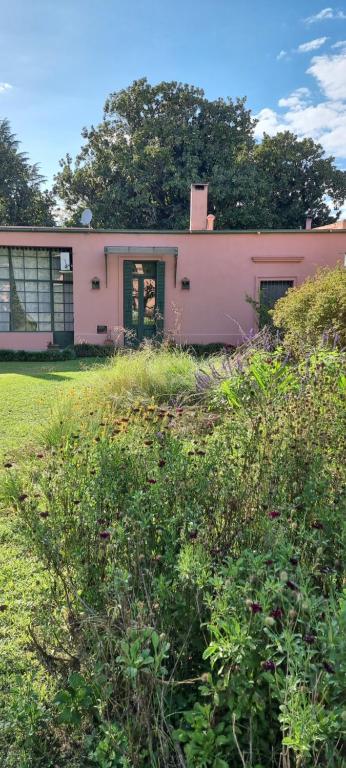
(198, 207)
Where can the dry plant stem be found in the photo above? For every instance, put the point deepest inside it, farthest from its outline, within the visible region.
(237, 742)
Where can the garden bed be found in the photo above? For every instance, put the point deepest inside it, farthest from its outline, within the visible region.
(187, 518)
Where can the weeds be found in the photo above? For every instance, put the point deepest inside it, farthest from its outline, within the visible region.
(191, 528)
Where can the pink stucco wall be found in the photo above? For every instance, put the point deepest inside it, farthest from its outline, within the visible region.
(33, 342)
(222, 268)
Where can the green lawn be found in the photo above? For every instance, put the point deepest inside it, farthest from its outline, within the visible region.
(28, 392)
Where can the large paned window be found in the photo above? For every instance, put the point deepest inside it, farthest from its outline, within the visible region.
(34, 294)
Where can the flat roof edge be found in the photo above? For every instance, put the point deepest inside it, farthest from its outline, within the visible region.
(209, 233)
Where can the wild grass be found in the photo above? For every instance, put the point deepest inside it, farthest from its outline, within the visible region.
(148, 374)
(151, 373)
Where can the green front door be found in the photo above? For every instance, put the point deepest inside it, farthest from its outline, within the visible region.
(144, 289)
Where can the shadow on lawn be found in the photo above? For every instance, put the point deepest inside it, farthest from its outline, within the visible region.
(48, 372)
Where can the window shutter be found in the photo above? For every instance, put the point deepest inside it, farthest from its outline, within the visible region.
(127, 294)
(160, 297)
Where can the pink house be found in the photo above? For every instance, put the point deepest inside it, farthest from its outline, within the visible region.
(62, 285)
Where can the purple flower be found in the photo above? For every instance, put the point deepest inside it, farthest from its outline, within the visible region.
(256, 608)
(277, 613)
(268, 562)
(273, 514)
(151, 481)
(294, 560)
(328, 667)
(22, 497)
(162, 462)
(309, 639)
(44, 515)
(104, 535)
(268, 666)
(317, 525)
(8, 465)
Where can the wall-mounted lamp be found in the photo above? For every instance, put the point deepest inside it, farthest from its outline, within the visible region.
(185, 284)
(95, 283)
(102, 329)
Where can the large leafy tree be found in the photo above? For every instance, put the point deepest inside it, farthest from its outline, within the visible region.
(136, 167)
(22, 200)
(295, 180)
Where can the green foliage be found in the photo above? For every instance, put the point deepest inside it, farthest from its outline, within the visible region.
(22, 201)
(151, 373)
(312, 309)
(76, 700)
(135, 169)
(194, 612)
(294, 178)
(137, 166)
(52, 355)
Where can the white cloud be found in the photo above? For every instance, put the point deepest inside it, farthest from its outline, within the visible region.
(295, 100)
(340, 44)
(325, 121)
(5, 87)
(330, 73)
(281, 55)
(269, 122)
(326, 13)
(312, 45)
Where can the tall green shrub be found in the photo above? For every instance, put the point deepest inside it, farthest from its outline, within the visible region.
(316, 307)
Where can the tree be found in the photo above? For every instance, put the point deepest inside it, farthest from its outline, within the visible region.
(136, 167)
(22, 201)
(294, 180)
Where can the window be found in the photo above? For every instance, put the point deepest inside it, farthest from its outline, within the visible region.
(270, 292)
(34, 294)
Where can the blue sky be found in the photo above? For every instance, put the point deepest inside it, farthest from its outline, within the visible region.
(59, 59)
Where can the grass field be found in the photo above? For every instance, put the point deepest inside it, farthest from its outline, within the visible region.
(28, 392)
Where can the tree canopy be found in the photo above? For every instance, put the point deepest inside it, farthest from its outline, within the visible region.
(22, 200)
(295, 178)
(136, 167)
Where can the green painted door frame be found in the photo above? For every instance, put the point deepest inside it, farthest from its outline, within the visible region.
(144, 295)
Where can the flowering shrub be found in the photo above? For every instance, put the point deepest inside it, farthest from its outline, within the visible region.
(194, 612)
